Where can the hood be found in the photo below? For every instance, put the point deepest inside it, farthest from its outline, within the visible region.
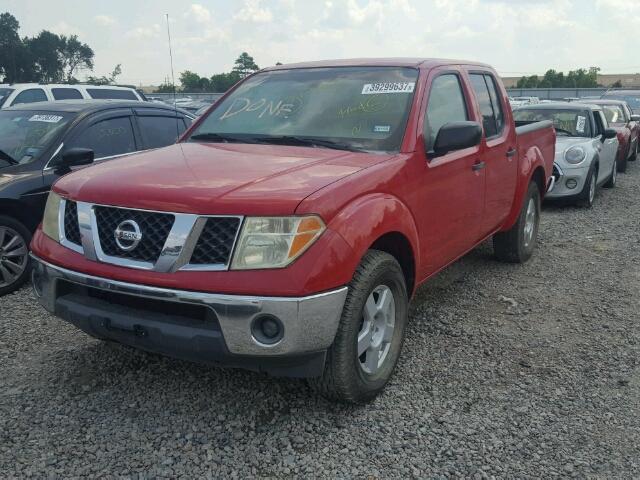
(215, 178)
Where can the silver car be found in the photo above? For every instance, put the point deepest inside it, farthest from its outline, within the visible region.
(586, 148)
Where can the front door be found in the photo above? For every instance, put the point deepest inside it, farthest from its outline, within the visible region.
(453, 192)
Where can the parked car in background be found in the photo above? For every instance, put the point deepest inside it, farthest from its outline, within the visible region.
(586, 148)
(288, 229)
(19, 93)
(626, 124)
(632, 97)
(39, 142)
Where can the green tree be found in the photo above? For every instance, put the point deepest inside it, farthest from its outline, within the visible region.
(245, 65)
(165, 87)
(14, 56)
(45, 55)
(222, 82)
(74, 55)
(104, 80)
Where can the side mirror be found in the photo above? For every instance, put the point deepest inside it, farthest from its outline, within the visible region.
(609, 133)
(75, 157)
(635, 118)
(457, 136)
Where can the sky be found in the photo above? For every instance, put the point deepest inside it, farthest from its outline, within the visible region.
(517, 37)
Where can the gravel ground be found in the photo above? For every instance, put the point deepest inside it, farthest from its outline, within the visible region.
(508, 371)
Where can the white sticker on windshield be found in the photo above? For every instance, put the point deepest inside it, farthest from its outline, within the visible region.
(45, 118)
(382, 128)
(580, 123)
(388, 87)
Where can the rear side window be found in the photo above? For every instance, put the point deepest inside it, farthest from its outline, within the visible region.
(446, 104)
(160, 131)
(109, 93)
(30, 96)
(66, 93)
(113, 136)
(490, 108)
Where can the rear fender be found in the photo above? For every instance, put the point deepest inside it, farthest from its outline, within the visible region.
(368, 218)
(531, 167)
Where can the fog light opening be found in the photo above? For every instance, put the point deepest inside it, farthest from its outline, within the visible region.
(267, 329)
(572, 183)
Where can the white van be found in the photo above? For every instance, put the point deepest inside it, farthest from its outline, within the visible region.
(17, 93)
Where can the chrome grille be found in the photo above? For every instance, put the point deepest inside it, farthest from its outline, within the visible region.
(71, 225)
(154, 226)
(216, 241)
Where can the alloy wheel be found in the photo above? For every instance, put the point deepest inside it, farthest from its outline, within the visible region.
(530, 223)
(14, 256)
(376, 331)
(592, 188)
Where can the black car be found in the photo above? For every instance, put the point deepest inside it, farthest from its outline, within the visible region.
(39, 142)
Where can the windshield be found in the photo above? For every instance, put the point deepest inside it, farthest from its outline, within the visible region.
(614, 113)
(568, 122)
(632, 100)
(355, 107)
(4, 94)
(25, 134)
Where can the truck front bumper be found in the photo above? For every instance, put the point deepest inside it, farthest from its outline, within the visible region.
(203, 327)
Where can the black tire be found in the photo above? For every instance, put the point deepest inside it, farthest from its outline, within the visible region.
(8, 224)
(585, 198)
(344, 378)
(634, 157)
(613, 178)
(622, 164)
(514, 245)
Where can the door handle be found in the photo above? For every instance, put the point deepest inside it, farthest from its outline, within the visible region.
(477, 166)
(511, 152)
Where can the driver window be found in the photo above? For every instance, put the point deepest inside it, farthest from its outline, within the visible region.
(446, 104)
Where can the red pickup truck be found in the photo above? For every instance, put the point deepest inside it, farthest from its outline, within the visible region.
(287, 230)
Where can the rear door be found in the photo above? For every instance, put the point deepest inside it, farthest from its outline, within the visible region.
(452, 191)
(159, 128)
(498, 150)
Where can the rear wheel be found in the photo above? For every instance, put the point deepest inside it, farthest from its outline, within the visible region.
(517, 244)
(14, 254)
(370, 334)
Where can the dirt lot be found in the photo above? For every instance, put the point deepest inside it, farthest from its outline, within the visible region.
(508, 371)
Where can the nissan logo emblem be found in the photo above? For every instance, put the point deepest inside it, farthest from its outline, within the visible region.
(127, 235)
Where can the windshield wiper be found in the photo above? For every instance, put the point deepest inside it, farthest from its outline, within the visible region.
(8, 158)
(222, 137)
(307, 141)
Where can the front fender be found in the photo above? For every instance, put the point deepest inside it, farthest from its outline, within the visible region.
(530, 162)
(368, 218)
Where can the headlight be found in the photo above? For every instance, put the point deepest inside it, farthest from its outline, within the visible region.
(275, 242)
(50, 225)
(575, 155)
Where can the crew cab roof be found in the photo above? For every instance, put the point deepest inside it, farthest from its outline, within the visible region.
(90, 106)
(378, 62)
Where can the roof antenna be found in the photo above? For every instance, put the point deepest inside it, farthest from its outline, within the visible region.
(173, 78)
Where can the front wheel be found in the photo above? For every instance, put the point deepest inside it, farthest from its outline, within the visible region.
(14, 254)
(517, 244)
(613, 178)
(635, 152)
(588, 194)
(370, 334)
(622, 163)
